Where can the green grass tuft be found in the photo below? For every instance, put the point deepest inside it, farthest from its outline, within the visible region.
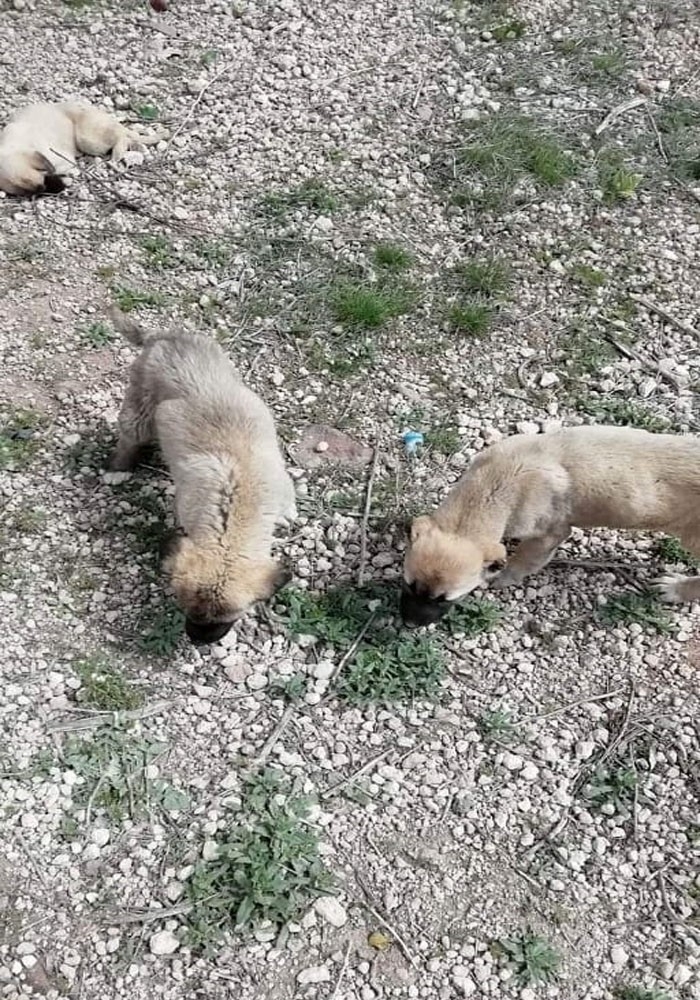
(103, 686)
(311, 194)
(96, 334)
(616, 787)
(368, 306)
(502, 150)
(608, 63)
(29, 520)
(267, 868)
(389, 664)
(616, 180)
(158, 252)
(471, 317)
(146, 112)
(112, 762)
(509, 31)
(161, 630)
(129, 299)
(628, 992)
(489, 277)
(621, 412)
(472, 617)
(19, 440)
(589, 276)
(641, 609)
(389, 257)
(670, 550)
(496, 725)
(531, 957)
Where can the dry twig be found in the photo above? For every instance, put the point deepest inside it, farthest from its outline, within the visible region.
(196, 103)
(343, 970)
(398, 937)
(274, 736)
(620, 109)
(365, 516)
(103, 718)
(666, 315)
(334, 789)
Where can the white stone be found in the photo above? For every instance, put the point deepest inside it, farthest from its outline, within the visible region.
(323, 670)
(173, 890)
(331, 910)
(682, 975)
(236, 669)
(618, 955)
(100, 836)
(256, 682)
(210, 850)
(527, 427)
(163, 943)
(548, 379)
(314, 974)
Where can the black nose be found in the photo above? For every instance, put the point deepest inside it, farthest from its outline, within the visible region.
(201, 634)
(418, 610)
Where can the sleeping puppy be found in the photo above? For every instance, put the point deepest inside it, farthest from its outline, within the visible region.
(535, 488)
(219, 441)
(41, 142)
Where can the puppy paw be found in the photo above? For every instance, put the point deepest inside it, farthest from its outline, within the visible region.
(669, 588)
(506, 578)
(115, 478)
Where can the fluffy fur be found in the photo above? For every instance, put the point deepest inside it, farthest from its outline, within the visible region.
(219, 441)
(41, 143)
(535, 488)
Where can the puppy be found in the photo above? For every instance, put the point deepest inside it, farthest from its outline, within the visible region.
(219, 441)
(41, 142)
(535, 488)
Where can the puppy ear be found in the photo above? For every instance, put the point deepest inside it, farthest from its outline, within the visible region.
(41, 162)
(494, 556)
(421, 527)
(53, 182)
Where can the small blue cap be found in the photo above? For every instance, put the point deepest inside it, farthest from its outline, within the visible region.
(411, 440)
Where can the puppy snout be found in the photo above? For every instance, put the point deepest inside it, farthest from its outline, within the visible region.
(202, 634)
(418, 611)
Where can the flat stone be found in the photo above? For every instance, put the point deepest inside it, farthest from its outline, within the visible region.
(323, 445)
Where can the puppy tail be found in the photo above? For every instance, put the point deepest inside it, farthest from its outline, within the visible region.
(134, 333)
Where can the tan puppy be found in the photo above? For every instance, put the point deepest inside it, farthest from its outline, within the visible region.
(219, 441)
(41, 143)
(535, 488)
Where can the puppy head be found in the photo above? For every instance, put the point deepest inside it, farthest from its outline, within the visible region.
(27, 174)
(440, 567)
(213, 590)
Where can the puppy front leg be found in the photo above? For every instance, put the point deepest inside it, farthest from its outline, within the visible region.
(531, 555)
(288, 508)
(126, 455)
(135, 432)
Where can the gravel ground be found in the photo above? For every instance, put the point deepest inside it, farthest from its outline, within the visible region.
(548, 792)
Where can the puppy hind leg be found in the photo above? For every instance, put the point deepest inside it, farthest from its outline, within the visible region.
(531, 555)
(675, 588)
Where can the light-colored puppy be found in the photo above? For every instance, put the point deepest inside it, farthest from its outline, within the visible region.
(41, 143)
(535, 488)
(219, 441)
